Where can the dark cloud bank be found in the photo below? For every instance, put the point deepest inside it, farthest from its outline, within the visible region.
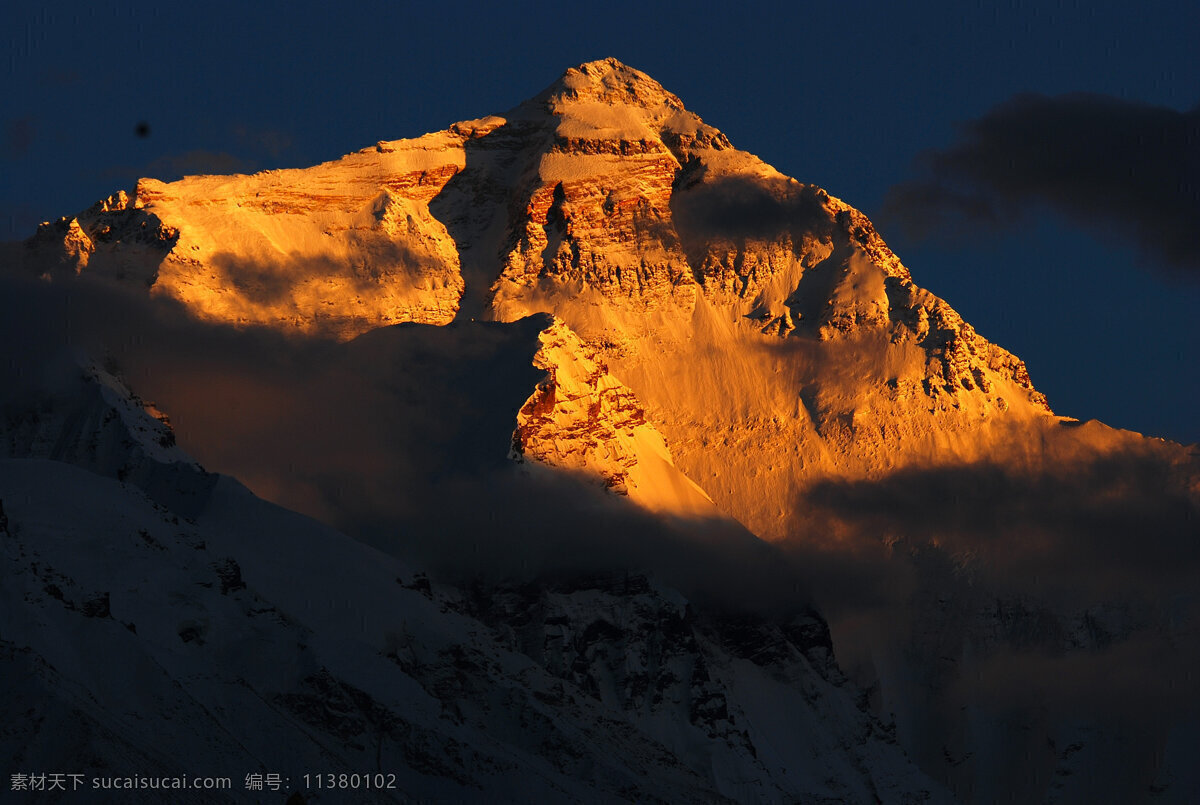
(1121, 167)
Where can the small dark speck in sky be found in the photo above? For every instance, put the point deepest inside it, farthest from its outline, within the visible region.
(142, 129)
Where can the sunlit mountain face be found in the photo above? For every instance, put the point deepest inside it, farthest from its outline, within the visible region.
(578, 455)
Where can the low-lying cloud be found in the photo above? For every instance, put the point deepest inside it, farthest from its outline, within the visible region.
(1129, 169)
(1102, 524)
(1071, 580)
(399, 438)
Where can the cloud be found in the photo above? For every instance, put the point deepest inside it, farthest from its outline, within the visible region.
(197, 162)
(1128, 168)
(17, 220)
(1094, 547)
(19, 136)
(272, 142)
(739, 208)
(171, 167)
(59, 78)
(272, 281)
(399, 438)
(1060, 529)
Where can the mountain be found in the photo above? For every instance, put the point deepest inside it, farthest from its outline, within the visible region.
(589, 338)
(606, 203)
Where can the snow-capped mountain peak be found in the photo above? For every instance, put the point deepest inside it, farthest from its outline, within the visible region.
(628, 345)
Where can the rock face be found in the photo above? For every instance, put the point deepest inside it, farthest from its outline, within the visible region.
(114, 238)
(593, 216)
(645, 652)
(581, 418)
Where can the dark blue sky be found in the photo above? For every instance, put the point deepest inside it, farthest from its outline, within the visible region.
(843, 95)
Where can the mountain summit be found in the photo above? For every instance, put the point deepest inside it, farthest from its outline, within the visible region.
(611, 82)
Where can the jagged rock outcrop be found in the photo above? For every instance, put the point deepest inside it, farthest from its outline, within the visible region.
(581, 418)
(644, 651)
(87, 416)
(115, 238)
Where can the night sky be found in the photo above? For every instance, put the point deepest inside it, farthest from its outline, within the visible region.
(1036, 165)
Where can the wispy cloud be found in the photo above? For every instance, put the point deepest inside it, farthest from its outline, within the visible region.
(1124, 168)
(197, 162)
(19, 136)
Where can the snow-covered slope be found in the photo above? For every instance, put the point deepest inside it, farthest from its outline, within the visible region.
(241, 638)
(340, 248)
(69, 408)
